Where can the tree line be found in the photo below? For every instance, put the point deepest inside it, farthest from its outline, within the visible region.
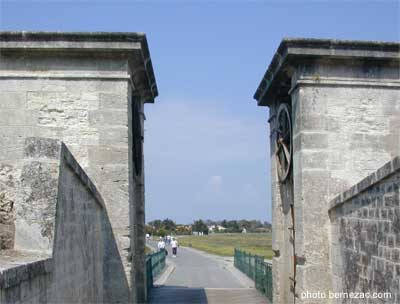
(168, 226)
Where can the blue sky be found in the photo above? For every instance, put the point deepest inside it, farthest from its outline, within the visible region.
(206, 144)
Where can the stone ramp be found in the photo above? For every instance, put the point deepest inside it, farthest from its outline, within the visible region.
(184, 295)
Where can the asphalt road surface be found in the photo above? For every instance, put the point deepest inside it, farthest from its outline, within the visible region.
(193, 269)
(204, 278)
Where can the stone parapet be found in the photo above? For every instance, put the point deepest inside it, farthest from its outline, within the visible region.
(16, 266)
(388, 169)
(365, 243)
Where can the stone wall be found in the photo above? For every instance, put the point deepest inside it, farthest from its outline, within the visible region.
(25, 277)
(75, 226)
(365, 237)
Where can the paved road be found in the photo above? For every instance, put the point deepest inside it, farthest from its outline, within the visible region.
(192, 269)
(203, 278)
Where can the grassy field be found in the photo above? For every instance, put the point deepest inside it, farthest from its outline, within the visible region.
(225, 243)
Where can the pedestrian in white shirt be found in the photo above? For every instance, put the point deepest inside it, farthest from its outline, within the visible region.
(161, 244)
(174, 245)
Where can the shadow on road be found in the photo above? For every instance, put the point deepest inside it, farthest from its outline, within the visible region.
(177, 294)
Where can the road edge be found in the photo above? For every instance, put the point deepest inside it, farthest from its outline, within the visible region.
(165, 275)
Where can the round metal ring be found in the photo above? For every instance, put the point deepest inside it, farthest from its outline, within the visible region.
(284, 149)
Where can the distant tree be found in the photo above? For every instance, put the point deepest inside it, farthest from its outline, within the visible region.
(161, 232)
(224, 224)
(233, 226)
(168, 224)
(149, 229)
(210, 222)
(267, 224)
(200, 226)
(245, 224)
(156, 224)
(257, 224)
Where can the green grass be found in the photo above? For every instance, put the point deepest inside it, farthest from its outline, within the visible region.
(224, 244)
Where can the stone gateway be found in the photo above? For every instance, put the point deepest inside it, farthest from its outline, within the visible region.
(86, 90)
(334, 115)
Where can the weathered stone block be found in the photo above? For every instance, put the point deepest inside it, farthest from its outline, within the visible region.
(38, 147)
(12, 100)
(108, 117)
(104, 155)
(113, 135)
(313, 141)
(113, 101)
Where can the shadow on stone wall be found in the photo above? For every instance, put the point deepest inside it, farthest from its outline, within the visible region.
(116, 288)
(94, 240)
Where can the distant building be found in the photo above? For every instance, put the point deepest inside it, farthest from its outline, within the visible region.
(212, 228)
(183, 229)
(221, 228)
(216, 228)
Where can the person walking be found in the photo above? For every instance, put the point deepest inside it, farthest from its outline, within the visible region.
(174, 245)
(161, 244)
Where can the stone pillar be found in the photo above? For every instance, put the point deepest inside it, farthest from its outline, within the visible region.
(137, 211)
(77, 87)
(345, 111)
